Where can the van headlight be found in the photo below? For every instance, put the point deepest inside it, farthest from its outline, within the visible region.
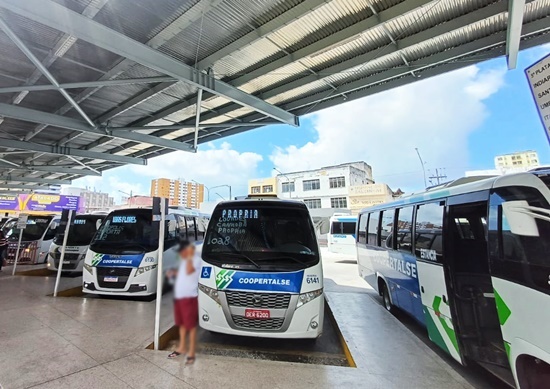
(89, 268)
(305, 298)
(142, 270)
(212, 293)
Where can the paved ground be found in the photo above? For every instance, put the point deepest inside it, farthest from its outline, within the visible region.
(74, 342)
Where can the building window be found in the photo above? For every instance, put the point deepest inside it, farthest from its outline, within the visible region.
(255, 189)
(288, 187)
(337, 182)
(313, 203)
(312, 185)
(338, 202)
(267, 189)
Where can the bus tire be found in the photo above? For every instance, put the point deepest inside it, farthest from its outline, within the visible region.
(386, 299)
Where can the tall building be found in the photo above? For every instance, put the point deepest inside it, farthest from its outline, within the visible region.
(91, 200)
(179, 192)
(518, 162)
(520, 159)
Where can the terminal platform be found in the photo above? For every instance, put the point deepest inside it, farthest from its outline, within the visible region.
(81, 341)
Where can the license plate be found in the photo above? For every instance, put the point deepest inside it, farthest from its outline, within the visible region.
(110, 279)
(256, 314)
(66, 262)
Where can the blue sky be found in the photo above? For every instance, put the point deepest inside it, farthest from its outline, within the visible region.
(459, 121)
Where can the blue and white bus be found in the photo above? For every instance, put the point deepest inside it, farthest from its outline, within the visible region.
(471, 262)
(341, 236)
(261, 273)
(122, 258)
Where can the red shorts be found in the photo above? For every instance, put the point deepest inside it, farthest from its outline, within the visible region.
(186, 312)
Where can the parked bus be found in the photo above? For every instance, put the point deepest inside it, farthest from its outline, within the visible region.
(261, 274)
(35, 241)
(7, 224)
(81, 231)
(122, 258)
(470, 261)
(341, 236)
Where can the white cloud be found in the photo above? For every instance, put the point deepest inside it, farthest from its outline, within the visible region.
(436, 115)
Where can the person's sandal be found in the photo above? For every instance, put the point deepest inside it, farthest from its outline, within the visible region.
(190, 360)
(174, 354)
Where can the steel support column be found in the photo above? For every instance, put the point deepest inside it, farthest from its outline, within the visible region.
(513, 31)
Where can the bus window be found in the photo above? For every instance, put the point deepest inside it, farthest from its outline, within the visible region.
(404, 229)
(171, 231)
(386, 230)
(372, 228)
(362, 232)
(518, 247)
(191, 228)
(429, 232)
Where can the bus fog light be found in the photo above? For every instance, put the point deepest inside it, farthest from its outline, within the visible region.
(314, 325)
(205, 317)
(212, 293)
(305, 298)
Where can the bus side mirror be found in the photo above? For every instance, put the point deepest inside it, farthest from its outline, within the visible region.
(519, 218)
(97, 224)
(54, 226)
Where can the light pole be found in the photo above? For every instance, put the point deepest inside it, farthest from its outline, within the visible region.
(220, 196)
(423, 167)
(205, 187)
(221, 186)
(288, 181)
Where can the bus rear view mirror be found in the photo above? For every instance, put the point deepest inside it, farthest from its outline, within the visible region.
(98, 223)
(519, 218)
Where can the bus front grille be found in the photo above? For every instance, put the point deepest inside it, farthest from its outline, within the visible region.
(122, 273)
(258, 300)
(257, 324)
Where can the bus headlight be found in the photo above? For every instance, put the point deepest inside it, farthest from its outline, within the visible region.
(305, 298)
(212, 293)
(142, 270)
(88, 268)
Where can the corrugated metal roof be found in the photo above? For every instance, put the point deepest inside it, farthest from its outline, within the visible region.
(314, 54)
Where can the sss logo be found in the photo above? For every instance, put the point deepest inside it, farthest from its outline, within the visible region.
(206, 271)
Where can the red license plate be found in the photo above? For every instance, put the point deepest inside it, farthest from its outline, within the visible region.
(256, 313)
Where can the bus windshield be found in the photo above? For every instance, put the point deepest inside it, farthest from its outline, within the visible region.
(126, 231)
(261, 235)
(35, 229)
(81, 231)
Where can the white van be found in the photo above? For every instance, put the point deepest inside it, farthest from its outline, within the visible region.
(36, 239)
(122, 258)
(81, 232)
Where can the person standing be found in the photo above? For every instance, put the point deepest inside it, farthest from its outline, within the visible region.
(186, 300)
(3, 248)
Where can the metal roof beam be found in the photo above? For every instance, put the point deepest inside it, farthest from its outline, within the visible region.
(23, 187)
(57, 170)
(61, 150)
(56, 16)
(87, 84)
(186, 126)
(50, 119)
(36, 180)
(516, 9)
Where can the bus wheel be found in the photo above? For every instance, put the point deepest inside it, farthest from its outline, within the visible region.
(386, 298)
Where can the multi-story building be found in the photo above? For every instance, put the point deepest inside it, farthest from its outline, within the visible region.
(520, 159)
(179, 192)
(263, 186)
(362, 196)
(91, 200)
(510, 163)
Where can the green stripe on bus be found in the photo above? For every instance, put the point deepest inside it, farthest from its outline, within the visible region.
(502, 309)
(448, 330)
(434, 333)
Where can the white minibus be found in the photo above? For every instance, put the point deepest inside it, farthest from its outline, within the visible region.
(81, 231)
(35, 241)
(122, 258)
(470, 261)
(261, 272)
(341, 236)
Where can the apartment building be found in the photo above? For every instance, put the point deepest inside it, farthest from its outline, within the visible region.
(179, 192)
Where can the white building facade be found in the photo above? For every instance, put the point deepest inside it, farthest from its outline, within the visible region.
(328, 187)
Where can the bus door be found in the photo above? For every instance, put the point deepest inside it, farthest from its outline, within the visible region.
(467, 255)
(430, 262)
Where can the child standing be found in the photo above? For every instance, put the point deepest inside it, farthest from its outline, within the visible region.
(186, 304)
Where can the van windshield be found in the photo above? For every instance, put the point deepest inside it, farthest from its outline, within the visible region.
(35, 229)
(126, 231)
(268, 234)
(81, 231)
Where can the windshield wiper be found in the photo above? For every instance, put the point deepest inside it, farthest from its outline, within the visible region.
(287, 257)
(133, 244)
(245, 257)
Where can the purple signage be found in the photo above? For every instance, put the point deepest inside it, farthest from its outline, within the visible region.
(39, 202)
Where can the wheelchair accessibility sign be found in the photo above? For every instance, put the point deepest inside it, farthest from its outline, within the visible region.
(206, 271)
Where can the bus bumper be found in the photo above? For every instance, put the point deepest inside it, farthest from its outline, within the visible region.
(306, 321)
